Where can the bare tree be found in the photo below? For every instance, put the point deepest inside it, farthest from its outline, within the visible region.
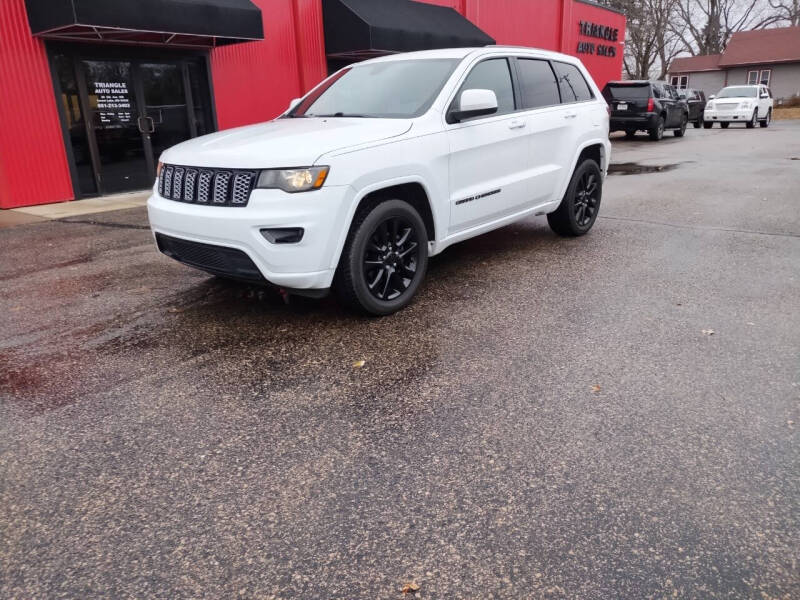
(786, 12)
(709, 24)
(652, 38)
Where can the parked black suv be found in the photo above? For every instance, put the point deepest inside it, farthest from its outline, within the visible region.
(696, 99)
(651, 106)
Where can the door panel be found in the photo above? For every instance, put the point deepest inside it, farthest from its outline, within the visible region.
(487, 164)
(488, 154)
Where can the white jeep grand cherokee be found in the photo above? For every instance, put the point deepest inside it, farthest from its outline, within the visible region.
(384, 164)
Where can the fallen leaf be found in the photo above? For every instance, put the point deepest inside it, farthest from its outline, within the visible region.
(410, 588)
(359, 363)
(596, 388)
(708, 331)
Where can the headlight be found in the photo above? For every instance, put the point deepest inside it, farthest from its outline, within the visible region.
(710, 106)
(746, 104)
(293, 180)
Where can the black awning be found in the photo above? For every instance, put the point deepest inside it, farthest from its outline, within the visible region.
(363, 28)
(173, 22)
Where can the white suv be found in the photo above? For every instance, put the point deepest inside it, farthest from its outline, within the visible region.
(384, 164)
(749, 104)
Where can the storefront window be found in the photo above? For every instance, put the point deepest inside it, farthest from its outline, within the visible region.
(76, 126)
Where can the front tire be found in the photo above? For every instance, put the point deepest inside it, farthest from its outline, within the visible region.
(657, 132)
(697, 124)
(752, 122)
(768, 119)
(578, 209)
(384, 259)
(708, 124)
(725, 124)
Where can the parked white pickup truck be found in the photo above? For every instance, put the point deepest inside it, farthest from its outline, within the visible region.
(384, 164)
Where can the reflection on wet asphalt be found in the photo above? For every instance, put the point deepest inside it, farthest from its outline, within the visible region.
(548, 419)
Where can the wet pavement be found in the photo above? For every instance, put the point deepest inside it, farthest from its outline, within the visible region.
(614, 416)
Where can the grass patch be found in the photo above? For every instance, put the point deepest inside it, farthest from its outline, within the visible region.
(786, 113)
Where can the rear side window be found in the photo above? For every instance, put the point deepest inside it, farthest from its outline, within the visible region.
(571, 83)
(493, 74)
(538, 84)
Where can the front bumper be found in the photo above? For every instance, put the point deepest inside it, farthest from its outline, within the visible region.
(728, 116)
(307, 264)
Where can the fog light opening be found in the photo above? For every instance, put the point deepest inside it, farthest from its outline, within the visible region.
(283, 235)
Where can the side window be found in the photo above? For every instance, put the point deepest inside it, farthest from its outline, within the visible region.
(493, 74)
(538, 83)
(657, 91)
(571, 83)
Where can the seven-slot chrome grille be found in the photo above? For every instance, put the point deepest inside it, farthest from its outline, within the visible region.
(214, 187)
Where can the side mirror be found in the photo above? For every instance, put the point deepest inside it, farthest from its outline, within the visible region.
(765, 95)
(711, 97)
(475, 103)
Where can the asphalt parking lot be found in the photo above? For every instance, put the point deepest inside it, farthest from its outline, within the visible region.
(608, 417)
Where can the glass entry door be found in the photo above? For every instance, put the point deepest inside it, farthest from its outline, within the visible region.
(115, 124)
(166, 109)
(134, 110)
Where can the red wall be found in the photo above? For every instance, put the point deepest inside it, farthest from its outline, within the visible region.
(547, 24)
(254, 81)
(33, 161)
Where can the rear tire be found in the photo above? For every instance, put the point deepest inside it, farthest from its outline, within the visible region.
(768, 119)
(708, 124)
(752, 122)
(697, 124)
(725, 125)
(384, 259)
(682, 129)
(578, 209)
(657, 132)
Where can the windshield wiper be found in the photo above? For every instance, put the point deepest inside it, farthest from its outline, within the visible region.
(341, 114)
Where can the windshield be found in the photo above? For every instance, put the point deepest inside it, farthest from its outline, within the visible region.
(398, 89)
(627, 91)
(738, 91)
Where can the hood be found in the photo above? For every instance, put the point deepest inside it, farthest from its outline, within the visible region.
(282, 142)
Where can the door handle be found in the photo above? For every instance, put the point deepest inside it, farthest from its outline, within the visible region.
(517, 124)
(570, 115)
(151, 123)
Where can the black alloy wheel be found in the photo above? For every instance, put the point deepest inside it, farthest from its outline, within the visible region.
(384, 258)
(579, 208)
(390, 258)
(586, 199)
